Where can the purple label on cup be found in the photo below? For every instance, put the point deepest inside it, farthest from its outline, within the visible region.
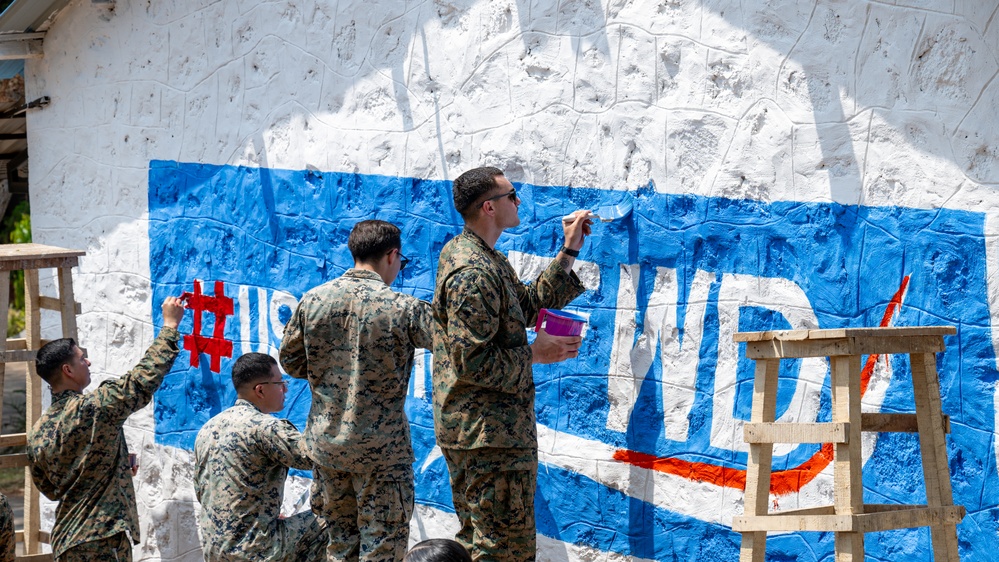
(558, 323)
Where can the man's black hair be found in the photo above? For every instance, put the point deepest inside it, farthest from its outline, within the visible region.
(438, 550)
(252, 368)
(471, 186)
(52, 356)
(371, 239)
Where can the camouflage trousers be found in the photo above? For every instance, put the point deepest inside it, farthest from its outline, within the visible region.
(299, 538)
(116, 548)
(493, 493)
(366, 514)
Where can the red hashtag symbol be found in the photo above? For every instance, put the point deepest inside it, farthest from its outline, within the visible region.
(215, 346)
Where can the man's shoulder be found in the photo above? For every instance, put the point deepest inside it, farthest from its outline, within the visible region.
(464, 254)
(238, 423)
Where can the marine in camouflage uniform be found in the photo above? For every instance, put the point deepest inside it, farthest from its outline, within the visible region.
(77, 449)
(7, 541)
(483, 383)
(353, 339)
(241, 458)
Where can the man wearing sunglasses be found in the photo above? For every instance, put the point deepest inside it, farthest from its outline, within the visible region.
(353, 339)
(241, 460)
(483, 380)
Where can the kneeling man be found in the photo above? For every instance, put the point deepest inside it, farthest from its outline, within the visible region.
(241, 461)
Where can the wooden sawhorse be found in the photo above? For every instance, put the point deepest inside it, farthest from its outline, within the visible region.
(30, 258)
(849, 518)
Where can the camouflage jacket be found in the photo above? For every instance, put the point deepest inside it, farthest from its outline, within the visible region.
(354, 338)
(78, 453)
(483, 380)
(241, 459)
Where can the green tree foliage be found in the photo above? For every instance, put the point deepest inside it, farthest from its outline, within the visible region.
(17, 230)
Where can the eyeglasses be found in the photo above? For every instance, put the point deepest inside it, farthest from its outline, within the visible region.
(512, 195)
(282, 383)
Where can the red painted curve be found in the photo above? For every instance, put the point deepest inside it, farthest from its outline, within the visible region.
(782, 482)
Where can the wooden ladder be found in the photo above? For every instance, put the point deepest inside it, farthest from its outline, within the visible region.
(849, 518)
(30, 258)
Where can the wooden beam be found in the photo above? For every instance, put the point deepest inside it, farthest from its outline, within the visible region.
(13, 440)
(52, 303)
(916, 516)
(879, 517)
(897, 423)
(14, 461)
(796, 432)
(20, 50)
(793, 349)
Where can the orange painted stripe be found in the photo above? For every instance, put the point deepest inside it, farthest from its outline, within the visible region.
(782, 482)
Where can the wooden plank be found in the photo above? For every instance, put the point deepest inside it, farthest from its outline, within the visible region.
(38, 263)
(877, 517)
(21, 50)
(786, 335)
(14, 460)
(17, 252)
(748, 525)
(13, 440)
(18, 356)
(848, 489)
(34, 558)
(781, 349)
(33, 406)
(887, 345)
(896, 423)
(50, 303)
(837, 333)
(21, 344)
(933, 448)
(796, 432)
(759, 462)
(67, 310)
(937, 517)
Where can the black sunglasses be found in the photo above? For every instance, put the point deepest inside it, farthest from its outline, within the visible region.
(512, 195)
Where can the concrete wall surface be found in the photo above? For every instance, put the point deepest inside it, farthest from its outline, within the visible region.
(791, 165)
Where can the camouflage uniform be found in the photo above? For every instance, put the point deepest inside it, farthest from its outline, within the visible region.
(79, 457)
(354, 338)
(241, 459)
(6, 530)
(484, 391)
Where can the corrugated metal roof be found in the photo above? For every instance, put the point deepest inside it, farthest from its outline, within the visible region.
(30, 15)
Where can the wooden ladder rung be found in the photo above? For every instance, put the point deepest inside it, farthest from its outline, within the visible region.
(897, 423)
(43, 536)
(52, 303)
(13, 440)
(771, 432)
(877, 517)
(13, 461)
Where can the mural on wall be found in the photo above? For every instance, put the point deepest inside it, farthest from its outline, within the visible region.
(641, 436)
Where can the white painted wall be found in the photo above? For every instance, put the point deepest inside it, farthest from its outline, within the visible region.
(850, 101)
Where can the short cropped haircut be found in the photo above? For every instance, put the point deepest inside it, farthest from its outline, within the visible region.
(471, 186)
(52, 356)
(438, 550)
(252, 368)
(372, 239)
